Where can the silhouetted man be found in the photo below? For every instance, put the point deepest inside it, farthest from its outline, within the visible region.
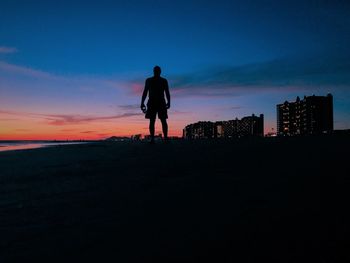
(156, 86)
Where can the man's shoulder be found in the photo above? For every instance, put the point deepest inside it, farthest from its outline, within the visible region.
(164, 80)
(157, 78)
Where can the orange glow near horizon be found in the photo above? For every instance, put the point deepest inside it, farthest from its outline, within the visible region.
(27, 129)
(95, 131)
(70, 136)
(32, 125)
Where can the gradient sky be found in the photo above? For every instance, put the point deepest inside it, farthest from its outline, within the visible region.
(76, 69)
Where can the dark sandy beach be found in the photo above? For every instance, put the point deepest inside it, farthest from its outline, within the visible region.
(187, 201)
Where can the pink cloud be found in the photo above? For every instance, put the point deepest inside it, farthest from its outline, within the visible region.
(137, 88)
(8, 50)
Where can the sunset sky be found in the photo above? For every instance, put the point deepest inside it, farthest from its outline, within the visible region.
(76, 69)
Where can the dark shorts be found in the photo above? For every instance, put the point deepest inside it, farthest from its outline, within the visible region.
(153, 110)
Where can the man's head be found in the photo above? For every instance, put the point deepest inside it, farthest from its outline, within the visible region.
(157, 71)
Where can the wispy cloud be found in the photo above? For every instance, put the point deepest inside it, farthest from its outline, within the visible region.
(285, 74)
(7, 50)
(129, 107)
(77, 119)
(181, 112)
(9, 112)
(228, 108)
(281, 75)
(103, 134)
(235, 107)
(12, 75)
(7, 119)
(11, 68)
(65, 119)
(67, 130)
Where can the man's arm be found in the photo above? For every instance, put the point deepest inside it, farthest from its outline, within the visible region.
(167, 94)
(144, 95)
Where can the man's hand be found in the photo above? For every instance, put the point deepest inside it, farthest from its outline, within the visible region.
(168, 105)
(143, 108)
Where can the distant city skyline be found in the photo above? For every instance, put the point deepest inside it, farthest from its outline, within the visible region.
(76, 70)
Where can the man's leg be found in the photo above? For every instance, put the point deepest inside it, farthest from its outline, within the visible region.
(152, 121)
(165, 128)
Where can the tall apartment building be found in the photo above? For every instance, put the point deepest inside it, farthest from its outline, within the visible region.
(311, 115)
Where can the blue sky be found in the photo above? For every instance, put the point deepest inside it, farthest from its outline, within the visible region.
(223, 59)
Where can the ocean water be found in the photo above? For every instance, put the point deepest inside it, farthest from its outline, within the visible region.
(24, 145)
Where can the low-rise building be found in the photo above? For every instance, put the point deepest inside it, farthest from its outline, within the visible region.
(247, 126)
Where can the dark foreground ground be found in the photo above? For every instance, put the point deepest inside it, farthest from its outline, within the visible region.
(188, 201)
